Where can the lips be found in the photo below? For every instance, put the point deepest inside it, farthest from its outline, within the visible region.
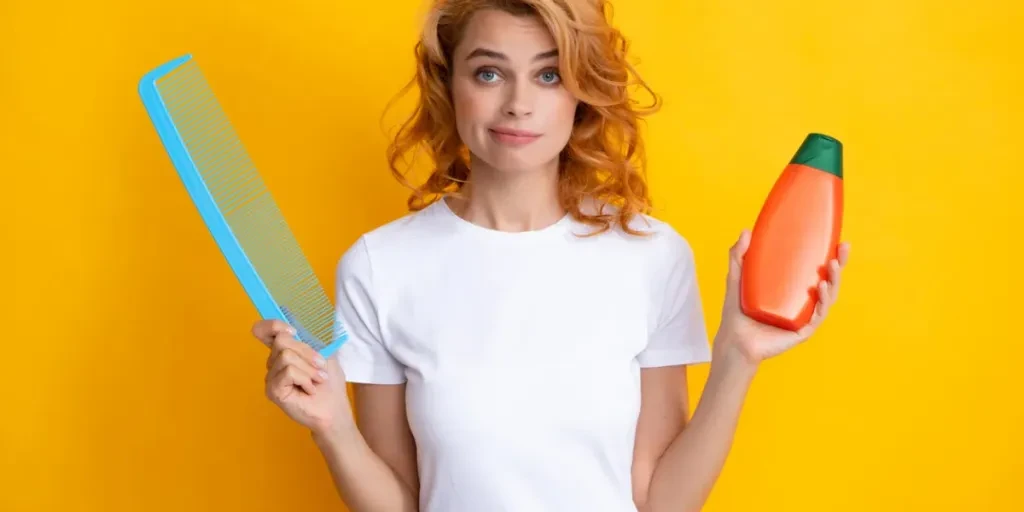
(513, 136)
(515, 132)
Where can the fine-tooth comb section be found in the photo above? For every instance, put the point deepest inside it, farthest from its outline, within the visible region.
(246, 205)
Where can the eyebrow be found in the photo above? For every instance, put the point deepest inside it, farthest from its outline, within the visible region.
(484, 52)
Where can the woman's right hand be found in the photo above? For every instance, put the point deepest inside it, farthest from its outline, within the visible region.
(308, 388)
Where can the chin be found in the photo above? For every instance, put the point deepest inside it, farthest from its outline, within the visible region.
(502, 161)
(517, 159)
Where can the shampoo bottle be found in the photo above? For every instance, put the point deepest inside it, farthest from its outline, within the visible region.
(795, 236)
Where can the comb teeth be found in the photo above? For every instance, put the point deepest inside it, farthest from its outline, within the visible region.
(247, 206)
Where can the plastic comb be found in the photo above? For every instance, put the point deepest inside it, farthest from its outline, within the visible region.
(235, 204)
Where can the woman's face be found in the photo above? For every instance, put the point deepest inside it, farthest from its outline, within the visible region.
(510, 107)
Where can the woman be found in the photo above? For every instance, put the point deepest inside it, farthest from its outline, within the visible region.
(516, 342)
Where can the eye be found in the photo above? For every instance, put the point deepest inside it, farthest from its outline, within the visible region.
(487, 75)
(550, 77)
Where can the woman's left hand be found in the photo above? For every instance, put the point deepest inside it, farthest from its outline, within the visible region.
(740, 335)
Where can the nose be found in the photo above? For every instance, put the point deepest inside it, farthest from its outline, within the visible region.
(519, 99)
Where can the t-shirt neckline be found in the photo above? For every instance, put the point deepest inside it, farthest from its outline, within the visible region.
(552, 229)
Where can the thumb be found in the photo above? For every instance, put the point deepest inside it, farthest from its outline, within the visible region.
(736, 253)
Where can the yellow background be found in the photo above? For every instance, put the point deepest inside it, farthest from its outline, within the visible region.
(129, 380)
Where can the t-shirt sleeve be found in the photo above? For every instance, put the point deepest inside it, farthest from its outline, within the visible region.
(364, 356)
(679, 335)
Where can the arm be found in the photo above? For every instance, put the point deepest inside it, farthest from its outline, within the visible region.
(678, 462)
(664, 411)
(373, 461)
(684, 474)
(372, 458)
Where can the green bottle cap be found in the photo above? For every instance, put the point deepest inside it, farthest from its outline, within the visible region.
(821, 152)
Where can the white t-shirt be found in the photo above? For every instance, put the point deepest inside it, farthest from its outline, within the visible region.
(521, 351)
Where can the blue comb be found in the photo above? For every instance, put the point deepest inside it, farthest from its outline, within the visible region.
(236, 206)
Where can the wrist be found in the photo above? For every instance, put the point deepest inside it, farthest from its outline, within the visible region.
(336, 434)
(730, 359)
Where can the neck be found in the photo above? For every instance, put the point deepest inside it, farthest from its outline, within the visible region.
(511, 201)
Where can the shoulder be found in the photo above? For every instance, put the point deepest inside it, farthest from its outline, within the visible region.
(658, 242)
(393, 243)
(408, 232)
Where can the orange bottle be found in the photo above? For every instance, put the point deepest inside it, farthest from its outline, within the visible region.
(795, 236)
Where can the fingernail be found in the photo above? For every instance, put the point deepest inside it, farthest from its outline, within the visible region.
(321, 362)
(292, 331)
(323, 374)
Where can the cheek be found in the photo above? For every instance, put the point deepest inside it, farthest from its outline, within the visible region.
(461, 105)
(562, 112)
(471, 105)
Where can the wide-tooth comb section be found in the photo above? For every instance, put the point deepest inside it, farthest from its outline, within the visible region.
(247, 206)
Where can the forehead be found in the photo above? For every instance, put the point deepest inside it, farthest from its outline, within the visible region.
(519, 37)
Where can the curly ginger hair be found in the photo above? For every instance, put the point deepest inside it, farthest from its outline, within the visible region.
(604, 158)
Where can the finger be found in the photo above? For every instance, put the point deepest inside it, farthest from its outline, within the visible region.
(289, 377)
(812, 325)
(277, 345)
(843, 253)
(310, 355)
(835, 272)
(739, 248)
(280, 343)
(287, 341)
(820, 310)
(806, 331)
(289, 357)
(267, 330)
(736, 253)
(824, 293)
(824, 297)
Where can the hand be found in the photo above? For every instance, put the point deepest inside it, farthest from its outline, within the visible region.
(308, 388)
(754, 341)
